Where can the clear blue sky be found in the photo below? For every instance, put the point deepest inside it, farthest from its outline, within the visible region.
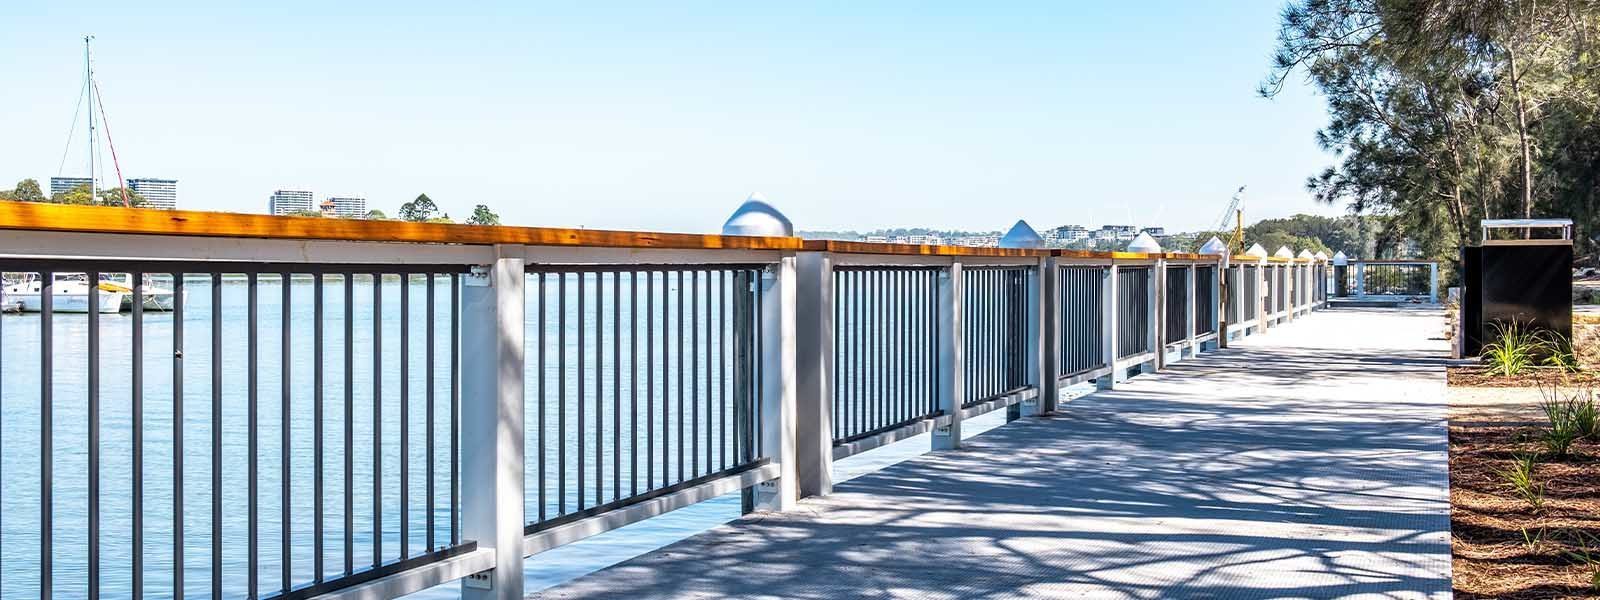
(656, 115)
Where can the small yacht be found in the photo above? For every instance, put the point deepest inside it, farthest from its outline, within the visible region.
(155, 297)
(69, 294)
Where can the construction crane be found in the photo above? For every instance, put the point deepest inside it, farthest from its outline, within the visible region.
(1235, 211)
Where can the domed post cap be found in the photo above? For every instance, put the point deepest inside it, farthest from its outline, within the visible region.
(1021, 235)
(1144, 243)
(758, 217)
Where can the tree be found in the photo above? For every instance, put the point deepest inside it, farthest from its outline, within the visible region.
(481, 215)
(28, 190)
(1444, 113)
(375, 215)
(420, 210)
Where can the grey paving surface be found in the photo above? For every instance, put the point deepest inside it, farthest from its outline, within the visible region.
(1307, 463)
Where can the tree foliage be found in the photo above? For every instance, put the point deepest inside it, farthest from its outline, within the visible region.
(1445, 112)
(421, 210)
(481, 215)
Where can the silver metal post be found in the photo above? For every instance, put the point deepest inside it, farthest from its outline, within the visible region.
(778, 415)
(492, 421)
(1109, 342)
(1037, 358)
(1192, 277)
(1049, 328)
(814, 371)
(952, 361)
(1156, 293)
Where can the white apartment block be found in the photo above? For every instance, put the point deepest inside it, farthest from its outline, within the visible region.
(345, 207)
(288, 202)
(62, 185)
(157, 193)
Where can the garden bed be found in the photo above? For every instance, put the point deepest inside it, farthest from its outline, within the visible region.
(1477, 376)
(1502, 545)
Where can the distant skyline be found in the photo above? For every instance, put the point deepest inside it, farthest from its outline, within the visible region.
(647, 116)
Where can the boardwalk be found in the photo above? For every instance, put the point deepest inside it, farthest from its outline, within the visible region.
(1309, 463)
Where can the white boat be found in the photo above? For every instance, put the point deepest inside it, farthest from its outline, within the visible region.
(155, 297)
(69, 294)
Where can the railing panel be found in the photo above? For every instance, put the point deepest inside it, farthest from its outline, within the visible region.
(1175, 324)
(1280, 296)
(641, 382)
(886, 327)
(996, 335)
(234, 388)
(1082, 319)
(1396, 279)
(1205, 289)
(1252, 292)
(1133, 311)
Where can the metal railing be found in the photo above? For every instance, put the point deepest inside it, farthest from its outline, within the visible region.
(1134, 318)
(886, 330)
(1177, 292)
(420, 404)
(301, 396)
(641, 384)
(1081, 319)
(1205, 300)
(996, 321)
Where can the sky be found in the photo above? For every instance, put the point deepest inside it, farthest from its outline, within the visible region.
(665, 116)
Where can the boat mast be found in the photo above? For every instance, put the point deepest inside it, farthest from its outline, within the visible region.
(88, 79)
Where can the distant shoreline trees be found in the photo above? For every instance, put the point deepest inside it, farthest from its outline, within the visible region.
(28, 190)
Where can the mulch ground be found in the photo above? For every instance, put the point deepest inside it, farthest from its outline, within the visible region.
(1502, 546)
(1475, 376)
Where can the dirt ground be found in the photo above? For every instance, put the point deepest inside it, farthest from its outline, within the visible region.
(1503, 547)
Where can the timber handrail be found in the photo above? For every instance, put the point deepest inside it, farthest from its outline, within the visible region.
(114, 219)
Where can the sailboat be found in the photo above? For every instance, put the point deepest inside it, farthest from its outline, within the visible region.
(70, 291)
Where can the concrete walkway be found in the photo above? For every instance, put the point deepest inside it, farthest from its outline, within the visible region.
(1306, 463)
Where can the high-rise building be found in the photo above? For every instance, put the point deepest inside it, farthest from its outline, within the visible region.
(288, 202)
(157, 193)
(62, 185)
(347, 208)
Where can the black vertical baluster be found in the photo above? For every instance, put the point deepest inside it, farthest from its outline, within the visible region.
(710, 392)
(316, 427)
(349, 421)
(428, 399)
(722, 368)
(860, 372)
(138, 432)
(633, 381)
(283, 434)
(177, 433)
(47, 434)
(377, 419)
(578, 432)
(455, 409)
(616, 385)
(93, 279)
(903, 305)
(216, 435)
(694, 374)
(561, 393)
(252, 428)
(543, 302)
(599, 388)
(680, 378)
(650, 380)
(405, 415)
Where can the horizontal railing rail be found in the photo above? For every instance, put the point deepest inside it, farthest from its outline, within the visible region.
(382, 406)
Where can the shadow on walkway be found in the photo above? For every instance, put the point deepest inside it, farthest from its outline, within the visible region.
(1306, 463)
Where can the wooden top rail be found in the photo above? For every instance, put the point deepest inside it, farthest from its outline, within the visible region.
(110, 219)
(107, 219)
